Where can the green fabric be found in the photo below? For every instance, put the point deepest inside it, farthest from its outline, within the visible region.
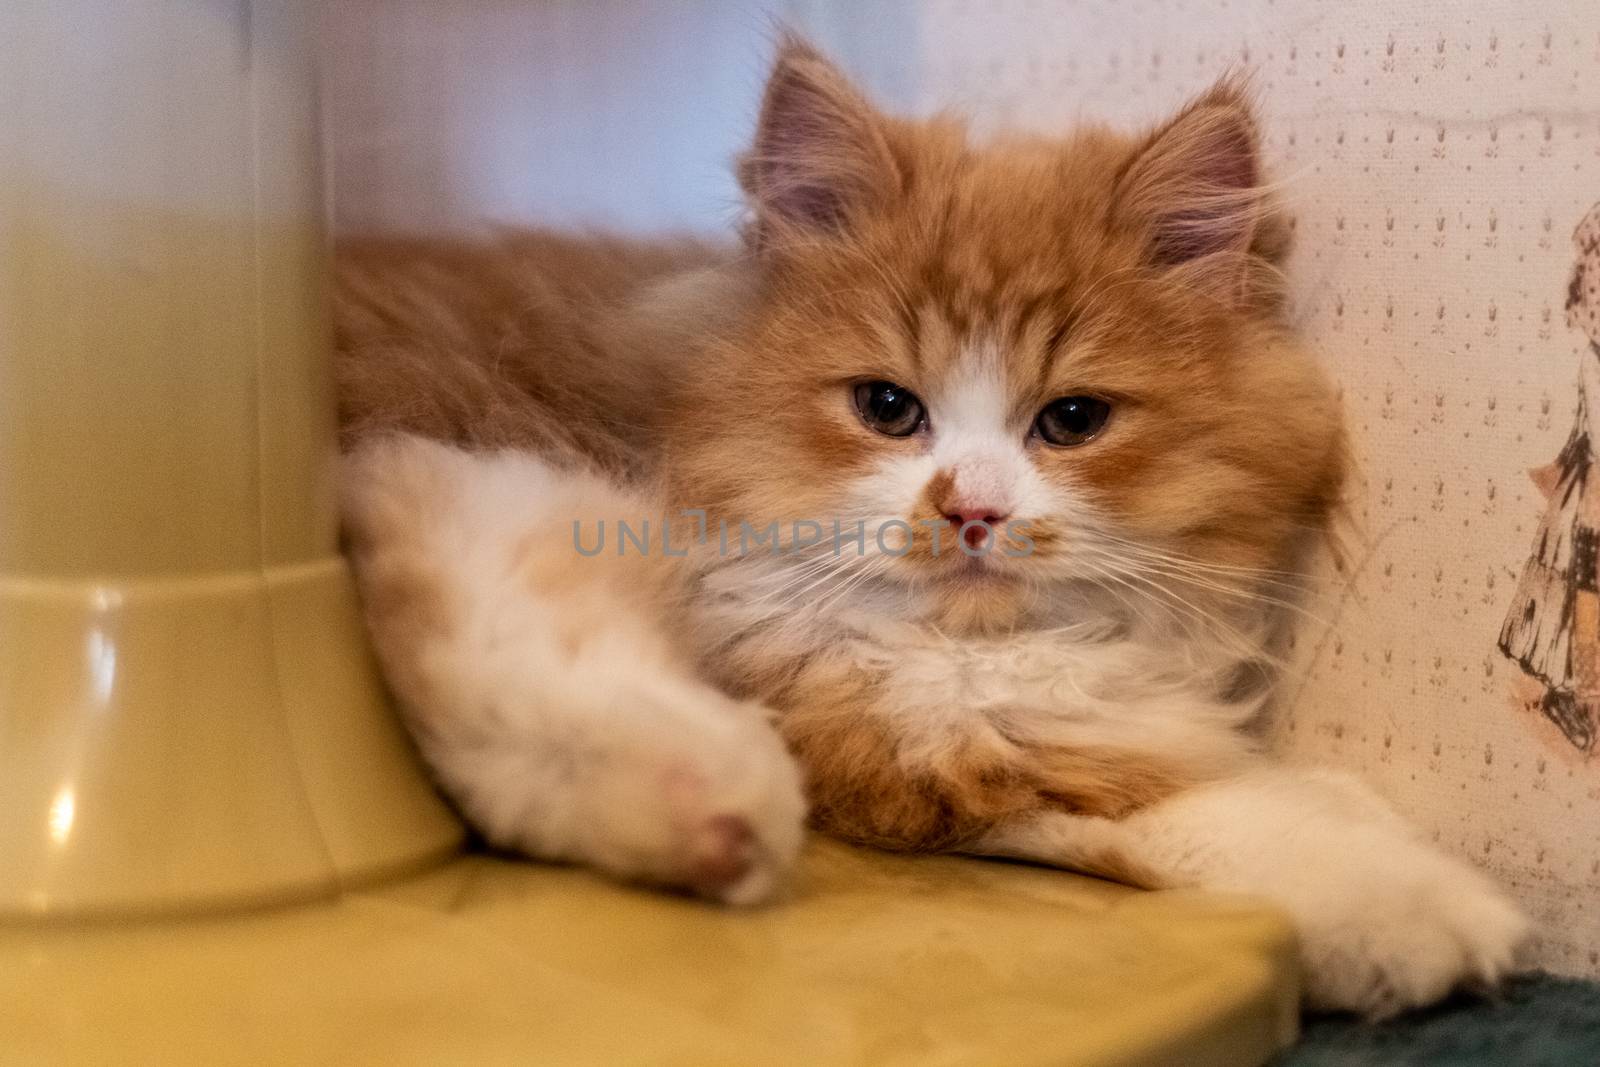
(1540, 1021)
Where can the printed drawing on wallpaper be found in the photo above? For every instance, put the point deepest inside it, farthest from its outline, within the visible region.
(1552, 630)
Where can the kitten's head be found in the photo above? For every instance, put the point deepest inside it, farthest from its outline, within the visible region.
(1076, 341)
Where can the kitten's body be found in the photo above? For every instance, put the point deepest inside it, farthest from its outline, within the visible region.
(534, 341)
(1090, 703)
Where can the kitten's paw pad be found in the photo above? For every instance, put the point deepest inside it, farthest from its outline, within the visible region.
(721, 854)
(710, 807)
(729, 861)
(1410, 943)
(735, 832)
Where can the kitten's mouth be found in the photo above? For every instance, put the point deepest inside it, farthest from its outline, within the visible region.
(975, 570)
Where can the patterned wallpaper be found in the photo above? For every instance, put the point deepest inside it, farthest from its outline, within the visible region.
(1437, 159)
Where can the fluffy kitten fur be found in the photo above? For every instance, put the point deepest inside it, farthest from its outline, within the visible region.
(1093, 704)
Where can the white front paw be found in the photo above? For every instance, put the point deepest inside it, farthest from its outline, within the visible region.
(708, 802)
(1401, 934)
(730, 824)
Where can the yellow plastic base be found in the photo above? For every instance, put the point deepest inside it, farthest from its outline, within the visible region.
(196, 743)
(189, 718)
(875, 960)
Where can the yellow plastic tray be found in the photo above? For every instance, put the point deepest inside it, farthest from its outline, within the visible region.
(873, 959)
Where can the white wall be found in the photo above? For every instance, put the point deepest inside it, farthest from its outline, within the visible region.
(604, 113)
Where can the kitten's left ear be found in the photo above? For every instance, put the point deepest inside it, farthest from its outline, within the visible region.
(1194, 192)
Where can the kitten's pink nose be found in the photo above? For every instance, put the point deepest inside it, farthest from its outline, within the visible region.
(975, 524)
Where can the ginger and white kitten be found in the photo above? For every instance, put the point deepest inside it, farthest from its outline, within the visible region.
(1068, 355)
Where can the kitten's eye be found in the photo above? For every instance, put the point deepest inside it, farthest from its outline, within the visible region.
(889, 408)
(1072, 420)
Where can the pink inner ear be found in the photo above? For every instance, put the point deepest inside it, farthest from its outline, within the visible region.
(1197, 184)
(1218, 211)
(796, 164)
(819, 153)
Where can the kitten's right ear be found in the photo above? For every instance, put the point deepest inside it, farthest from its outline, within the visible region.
(820, 158)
